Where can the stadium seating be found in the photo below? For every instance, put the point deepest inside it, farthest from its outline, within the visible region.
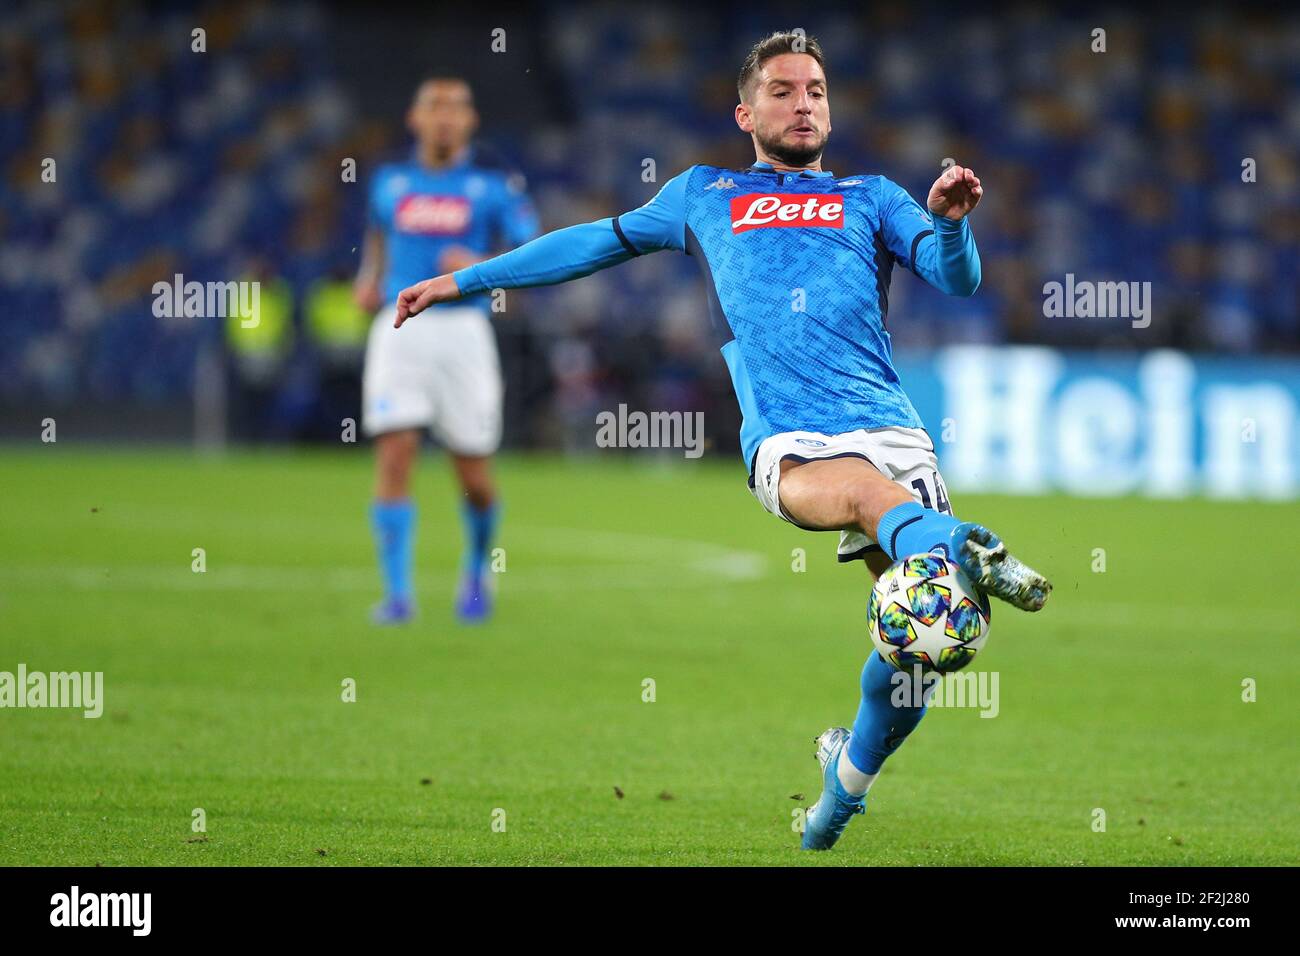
(1118, 165)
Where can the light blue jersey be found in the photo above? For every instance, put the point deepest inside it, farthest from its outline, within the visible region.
(797, 267)
(422, 212)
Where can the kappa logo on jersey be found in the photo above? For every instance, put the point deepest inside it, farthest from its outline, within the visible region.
(432, 215)
(764, 210)
(721, 182)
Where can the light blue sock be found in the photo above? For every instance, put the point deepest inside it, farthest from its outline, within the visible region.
(480, 526)
(911, 529)
(887, 714)
(393, 523)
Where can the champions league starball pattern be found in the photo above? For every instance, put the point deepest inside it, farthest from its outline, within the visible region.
(925, 611)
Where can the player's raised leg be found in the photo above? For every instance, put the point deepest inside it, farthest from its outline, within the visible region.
(392, 519)
(849, 493)
(480, 511)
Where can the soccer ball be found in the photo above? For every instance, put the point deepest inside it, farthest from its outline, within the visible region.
(925, 611)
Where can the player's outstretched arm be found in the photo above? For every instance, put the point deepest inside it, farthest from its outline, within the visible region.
(955, 194)
(955, 267)
(416, 298)
(559, 256)
(565, 254)
(939, 245)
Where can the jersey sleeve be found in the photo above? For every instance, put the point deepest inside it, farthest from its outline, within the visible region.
(660, 223)
(577, 251)
(516, 219)
(938, 249)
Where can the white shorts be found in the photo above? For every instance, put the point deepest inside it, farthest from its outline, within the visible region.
(904, 455)
(438, 371)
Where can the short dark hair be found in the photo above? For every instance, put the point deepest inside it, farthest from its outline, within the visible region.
(782, 41)
(443, 78)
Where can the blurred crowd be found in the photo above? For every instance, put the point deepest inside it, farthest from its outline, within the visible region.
(1171, 157)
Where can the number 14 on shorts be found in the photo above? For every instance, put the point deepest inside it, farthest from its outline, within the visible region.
(933, 494)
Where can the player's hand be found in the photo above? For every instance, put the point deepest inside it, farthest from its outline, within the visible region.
(415, 299)
(455, 258)
(955, 193)
(365, 293)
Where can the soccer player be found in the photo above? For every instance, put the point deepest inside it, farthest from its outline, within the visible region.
(441, 210)
(831, 440)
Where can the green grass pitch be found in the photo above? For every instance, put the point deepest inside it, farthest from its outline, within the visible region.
(224, 688)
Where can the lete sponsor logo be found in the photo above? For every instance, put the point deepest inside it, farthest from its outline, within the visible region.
(761, 210)
(433, 215)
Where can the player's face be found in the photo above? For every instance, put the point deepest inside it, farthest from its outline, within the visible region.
(442, 117)
(788, 114)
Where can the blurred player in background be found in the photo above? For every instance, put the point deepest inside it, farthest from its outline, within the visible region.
(831, 439)
(440, 211)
